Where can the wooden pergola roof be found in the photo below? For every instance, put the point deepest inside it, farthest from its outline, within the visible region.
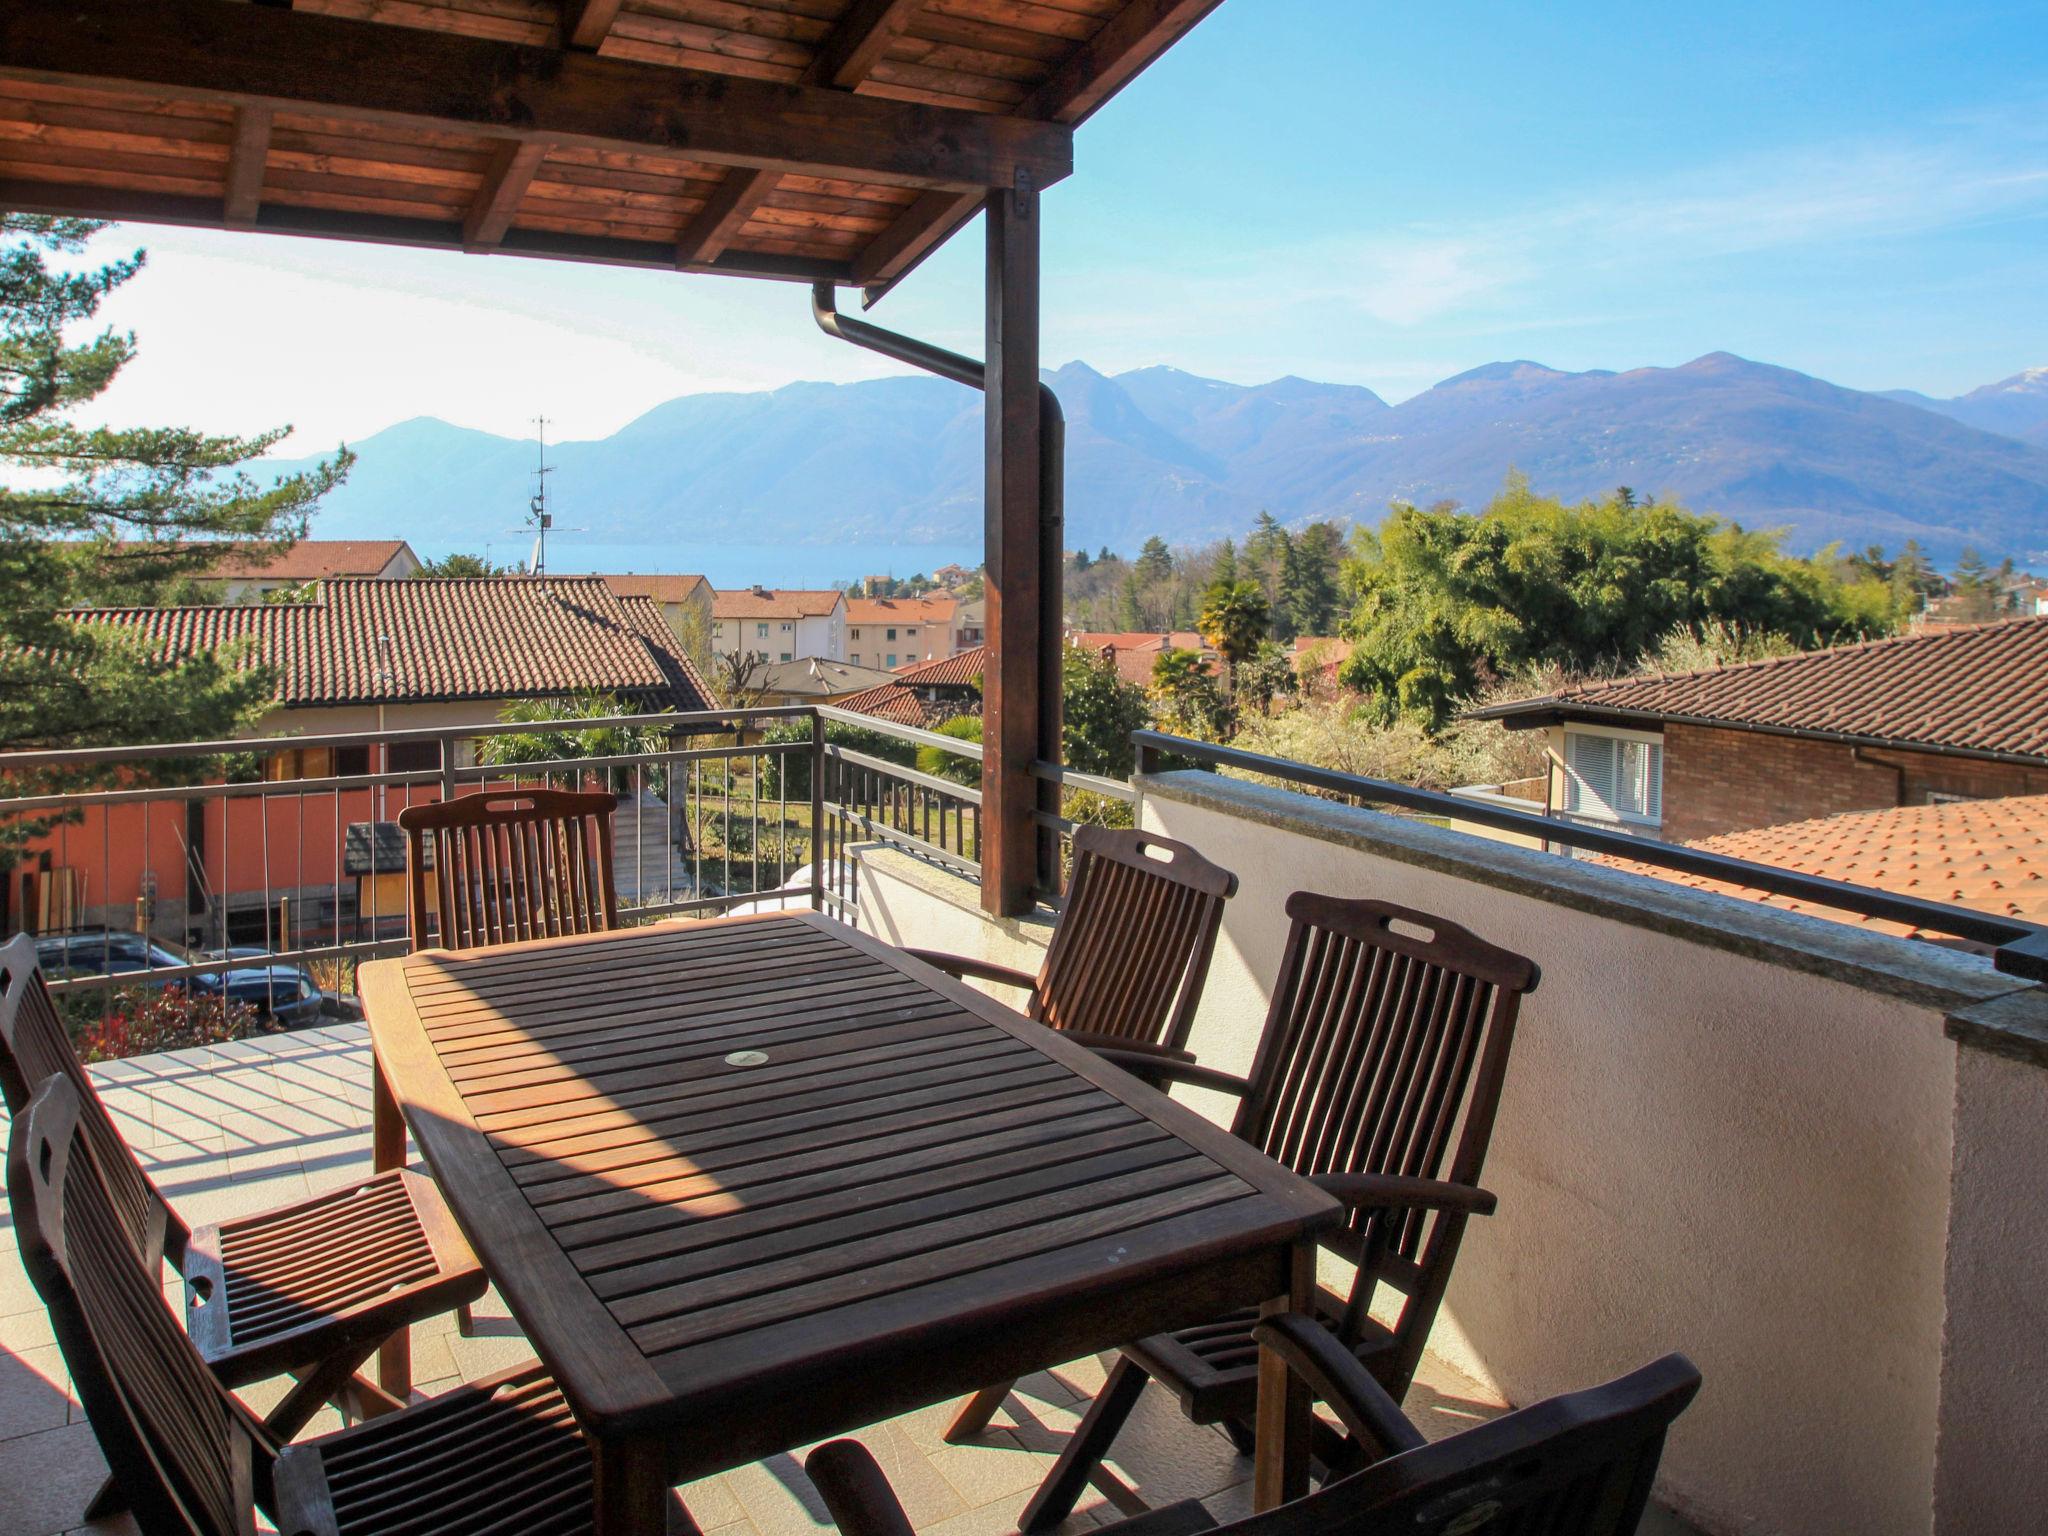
(836, 140)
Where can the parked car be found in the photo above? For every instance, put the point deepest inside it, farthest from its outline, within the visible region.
(286, 993)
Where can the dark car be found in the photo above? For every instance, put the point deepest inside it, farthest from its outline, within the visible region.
(285, 993)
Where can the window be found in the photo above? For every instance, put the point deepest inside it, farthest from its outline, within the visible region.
(855, 633)
(856, 658)
(785, 656)
(760, 631)
(1612, 777)
(413, 757)
(351, 760)
(910, 633)
(786, 628)
(892, 658)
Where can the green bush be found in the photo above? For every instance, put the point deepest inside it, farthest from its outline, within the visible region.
(140, 1021)
(938, 763)
(794, 768)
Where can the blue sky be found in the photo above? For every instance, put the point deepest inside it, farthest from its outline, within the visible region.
(1375, 194)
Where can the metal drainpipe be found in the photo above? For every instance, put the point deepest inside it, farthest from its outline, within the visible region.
(1052, 459)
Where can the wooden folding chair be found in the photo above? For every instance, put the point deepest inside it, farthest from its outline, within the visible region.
(1131, 951)
(1577, 1465)
(1377, 1077)
(310, 1289)
(510, 864)
(498, 1455)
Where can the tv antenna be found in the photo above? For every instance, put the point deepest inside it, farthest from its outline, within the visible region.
(539, 520)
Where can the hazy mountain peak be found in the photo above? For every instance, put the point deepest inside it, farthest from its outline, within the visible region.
(1162, 451)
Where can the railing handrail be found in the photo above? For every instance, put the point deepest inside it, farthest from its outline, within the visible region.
(910, 733)
(2022, 947)
(704, 720)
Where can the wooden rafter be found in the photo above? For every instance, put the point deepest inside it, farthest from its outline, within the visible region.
(1093, 72)
(847, 55)
(252, 55)
(506, 179)
(246, 156)
(586, 23)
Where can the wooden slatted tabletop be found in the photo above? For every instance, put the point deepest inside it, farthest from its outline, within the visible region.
(751, 1182)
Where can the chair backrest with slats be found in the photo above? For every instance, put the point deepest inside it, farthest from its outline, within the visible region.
(34, 1044)
(507, 865)
(183, 1453)
(1578, 1465)
(1134, 940)
(1385, 1051)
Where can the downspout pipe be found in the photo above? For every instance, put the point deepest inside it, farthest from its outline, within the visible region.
(1052, 459)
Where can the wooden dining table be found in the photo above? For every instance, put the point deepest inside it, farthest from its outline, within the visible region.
(750, 1182)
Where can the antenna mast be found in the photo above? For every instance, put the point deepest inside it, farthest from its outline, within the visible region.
(538, 516)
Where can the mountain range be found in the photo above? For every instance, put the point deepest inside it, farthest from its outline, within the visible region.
(1156, 450)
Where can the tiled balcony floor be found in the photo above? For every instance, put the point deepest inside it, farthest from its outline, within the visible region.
(246, 1126)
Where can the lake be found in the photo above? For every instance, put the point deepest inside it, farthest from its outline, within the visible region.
(726, 566)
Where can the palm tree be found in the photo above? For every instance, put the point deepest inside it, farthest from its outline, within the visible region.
(1234, 619)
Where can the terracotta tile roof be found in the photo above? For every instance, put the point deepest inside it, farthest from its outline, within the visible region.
(662, 588)
(1137, 640)
(1323, 651)
(891, 701)
(1991, 855)
(449, 639)
(900, 610)
(1982, 690)
(776, 603)
(314, 560)
(963, 670)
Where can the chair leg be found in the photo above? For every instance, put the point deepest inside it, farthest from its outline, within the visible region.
(973, 1419)
(107, 1503)
(465, 1321)
(1241, 1436)
(1056, 1496)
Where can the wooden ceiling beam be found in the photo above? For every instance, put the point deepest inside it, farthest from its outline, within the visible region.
(216, 50)
(94, 202)
(846, 56)
(1087, 77)
(247, 152)
(506, 179)
(1102, 66)
(586, 23)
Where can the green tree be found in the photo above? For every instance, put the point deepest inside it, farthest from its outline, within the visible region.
(1265, 552)
(1099, 710)
(1976, 589)
(464, 565)
(1187, 697)
(573, 742)
(112, 517)
(1234, 618)
(1309, 595)
(1448, 603)
(1130, 603)
(1155, 562)
(1223, 571)
(1264, 677)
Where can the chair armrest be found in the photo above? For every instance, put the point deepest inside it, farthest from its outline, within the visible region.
(1156, 1067)
(1386, 1191)
(1145, 1048)
(855, 1491)
(961, 967)
(1333, 1373)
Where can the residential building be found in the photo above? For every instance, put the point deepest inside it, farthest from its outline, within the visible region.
(243, 576)
(813, 680)
(1988, 854)
(1134, 651)
(970, 624)
(1943, 715)
(366, 655)
(927, 694)
(685, 602)
(779, 624)
(892, 632)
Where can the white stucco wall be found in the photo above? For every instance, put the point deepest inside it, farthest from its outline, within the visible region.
(1726, 1131)
(1992, 1473)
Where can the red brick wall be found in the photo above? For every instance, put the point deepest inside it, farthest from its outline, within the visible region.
(1729, 781)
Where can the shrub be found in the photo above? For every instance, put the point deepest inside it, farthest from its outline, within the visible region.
(938, 763)
(140, 1021)
(795, 767)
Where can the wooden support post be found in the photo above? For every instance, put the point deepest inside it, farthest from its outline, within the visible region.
(1010, 695)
